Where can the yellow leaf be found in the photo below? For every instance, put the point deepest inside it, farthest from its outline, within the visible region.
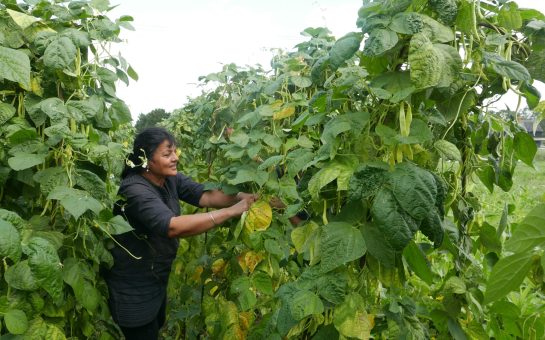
(249, 260)
(36, 87)
(276, 104)
(284, 113)
(245, 320)
(218, 266)
(197, 274)
(252, 259)
(259, 217)
(242, 263)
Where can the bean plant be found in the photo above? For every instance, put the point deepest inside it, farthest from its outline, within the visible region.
(63, 139)
(376, 141)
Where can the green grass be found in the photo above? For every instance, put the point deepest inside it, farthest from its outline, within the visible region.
(528, 191)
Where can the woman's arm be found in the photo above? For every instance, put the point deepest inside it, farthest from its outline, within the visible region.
(218, 199)
(188, 225)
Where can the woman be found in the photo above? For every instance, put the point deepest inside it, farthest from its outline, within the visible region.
(151, 188)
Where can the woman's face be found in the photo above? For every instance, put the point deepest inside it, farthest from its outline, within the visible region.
(164, 161)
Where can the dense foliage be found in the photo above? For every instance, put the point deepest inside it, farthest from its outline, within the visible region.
(379, 137)
(374, 140)
(61, 145)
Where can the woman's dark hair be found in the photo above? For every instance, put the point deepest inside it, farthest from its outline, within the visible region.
(145, 144)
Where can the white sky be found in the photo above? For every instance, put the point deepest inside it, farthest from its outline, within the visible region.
(176, 41)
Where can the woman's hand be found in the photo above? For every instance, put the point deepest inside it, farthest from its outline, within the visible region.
(246, 196)
(240, 207)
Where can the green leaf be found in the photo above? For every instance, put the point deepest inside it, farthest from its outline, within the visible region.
(19, 276)
(22, 135)
(298, 160)
(417, 262)
(341, 169)
(529, 233)
(240, 138)
(446, 9)
(531, 94)
(340, 243)
(457, 105)
(21, 19)
(397, 227)
(489, 239)
(249, 173)
(407, 23)
(101, 5)
(464, 19)
(13, 218)
(55, 110)
(7, 111)
(335, 127)
(80, 38)
(436, 31)
(60, 54)
(447, 150)
(432, 227)
(82, 110)
(57, 132)
(75, 201)
(10, 241)
(273, 141)
(506, 68)
(246, 297)
(536, 64)
(455, 285)
(350, 318)
(425, 62)
(120, 113)
(380, 41)
(509, 16)
(262, 282)
(455, 329)
(366, 181)
(132, 73)
(305, 303)
(394, 86)
(331, 286)
(16, 321)
(269, 162)
(91, 183)
(50, 178)
(525, 148)
(116, 225)
(45, 265)
(15, 66)
(507, 275)
(344, 49)
(301, 81)
(414, 189)
(452, 64)
(303, 237)
(89, 297)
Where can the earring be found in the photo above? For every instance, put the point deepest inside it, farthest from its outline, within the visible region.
(147, 169)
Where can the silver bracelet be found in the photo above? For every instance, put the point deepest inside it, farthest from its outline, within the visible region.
(237, 195)
(212, 218)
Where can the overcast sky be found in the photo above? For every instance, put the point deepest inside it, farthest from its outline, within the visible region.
(176, 41)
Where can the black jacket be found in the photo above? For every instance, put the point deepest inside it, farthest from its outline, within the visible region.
(137, 286)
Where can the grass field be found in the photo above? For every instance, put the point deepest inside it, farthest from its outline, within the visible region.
(528, 191)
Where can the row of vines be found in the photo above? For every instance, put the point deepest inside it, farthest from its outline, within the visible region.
(63, 135)
(375, 141)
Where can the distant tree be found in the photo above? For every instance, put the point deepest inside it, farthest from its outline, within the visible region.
(150, 119)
